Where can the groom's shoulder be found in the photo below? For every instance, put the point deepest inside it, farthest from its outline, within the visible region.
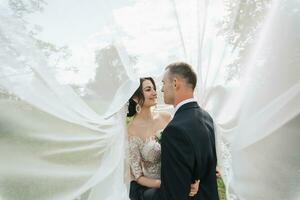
(206, 115)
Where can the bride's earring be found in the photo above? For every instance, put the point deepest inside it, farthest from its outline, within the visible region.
(138, 108)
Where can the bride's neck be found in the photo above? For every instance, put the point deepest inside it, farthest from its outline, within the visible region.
(145, 114)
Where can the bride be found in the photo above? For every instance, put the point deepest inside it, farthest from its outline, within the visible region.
(144, 146)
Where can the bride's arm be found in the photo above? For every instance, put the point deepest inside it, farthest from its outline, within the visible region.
(136, 167)
(148, 182)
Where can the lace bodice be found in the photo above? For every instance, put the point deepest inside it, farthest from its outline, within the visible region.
(144, 157)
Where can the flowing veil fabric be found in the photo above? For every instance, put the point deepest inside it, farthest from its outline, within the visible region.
(257, 121)
(63, 94)
(57, 143)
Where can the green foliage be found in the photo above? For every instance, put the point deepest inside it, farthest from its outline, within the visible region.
(221, 189)
(129, 119)
(21, 7)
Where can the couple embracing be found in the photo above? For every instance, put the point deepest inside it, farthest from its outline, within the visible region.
(182, 164)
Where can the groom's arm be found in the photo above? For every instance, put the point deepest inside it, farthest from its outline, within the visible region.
(177, 163)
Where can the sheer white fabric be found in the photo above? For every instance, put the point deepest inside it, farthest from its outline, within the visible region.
(56, 143)
(257, 114)
(63, 133)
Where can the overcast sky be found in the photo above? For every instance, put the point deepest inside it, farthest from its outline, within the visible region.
(146, 29)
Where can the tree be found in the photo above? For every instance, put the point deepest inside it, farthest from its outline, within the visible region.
(110, 71)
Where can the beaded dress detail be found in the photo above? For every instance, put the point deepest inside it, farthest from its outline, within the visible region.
(144, 157)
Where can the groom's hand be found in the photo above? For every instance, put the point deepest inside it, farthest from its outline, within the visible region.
(218, 172)
(194, 188)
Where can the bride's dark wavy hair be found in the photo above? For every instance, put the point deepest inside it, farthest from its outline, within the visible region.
(139, 95)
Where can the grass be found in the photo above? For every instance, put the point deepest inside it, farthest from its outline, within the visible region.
(221, 189)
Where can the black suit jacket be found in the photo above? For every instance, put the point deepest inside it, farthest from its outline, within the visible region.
(188, 153)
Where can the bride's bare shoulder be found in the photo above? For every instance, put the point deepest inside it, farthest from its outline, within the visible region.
(132, 128)
(165, 116)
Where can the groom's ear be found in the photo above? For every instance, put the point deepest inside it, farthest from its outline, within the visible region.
(176, 83)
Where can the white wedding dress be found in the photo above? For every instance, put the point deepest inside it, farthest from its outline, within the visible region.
(67, 70)
(144, 157)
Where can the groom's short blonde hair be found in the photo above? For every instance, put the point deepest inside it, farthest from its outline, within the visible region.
(184, 71)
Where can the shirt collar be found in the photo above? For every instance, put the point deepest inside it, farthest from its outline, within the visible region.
(184, 102)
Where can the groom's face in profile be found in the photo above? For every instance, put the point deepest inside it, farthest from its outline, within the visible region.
(168, 88)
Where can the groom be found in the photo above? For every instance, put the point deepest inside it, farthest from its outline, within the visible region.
(188, 150)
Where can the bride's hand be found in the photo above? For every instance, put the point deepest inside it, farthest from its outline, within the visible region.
(194, 188)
